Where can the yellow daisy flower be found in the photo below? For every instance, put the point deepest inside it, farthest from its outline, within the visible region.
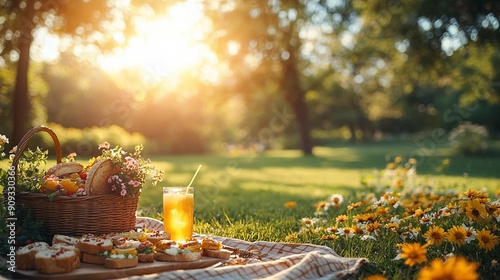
(475, 210)
(341, 218)
(329, 237)
(435, 235)
(487, 240)
(455, 268)
(290, 204)
(375, 277)
(473, 194)
(321, 206)
(413, 253)
(373, 227)
(457, 235)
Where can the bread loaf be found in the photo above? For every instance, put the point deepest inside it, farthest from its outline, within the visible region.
(63, 168)
(97, 178)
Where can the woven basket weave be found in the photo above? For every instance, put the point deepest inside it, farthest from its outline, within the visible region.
(96, 214)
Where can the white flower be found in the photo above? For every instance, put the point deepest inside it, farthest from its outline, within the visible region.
(367, 236)
(471, 233)
(336, 200)
(348, 232)
(3, 140)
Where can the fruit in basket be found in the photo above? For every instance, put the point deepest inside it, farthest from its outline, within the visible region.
(64, 178)
(68, 185)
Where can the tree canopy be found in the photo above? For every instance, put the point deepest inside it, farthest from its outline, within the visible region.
(325, 65)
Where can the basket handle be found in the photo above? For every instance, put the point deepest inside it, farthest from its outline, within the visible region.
(22, 145)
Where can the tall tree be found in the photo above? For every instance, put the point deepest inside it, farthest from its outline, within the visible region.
(88, 21)
(436, 36)
(262, 43)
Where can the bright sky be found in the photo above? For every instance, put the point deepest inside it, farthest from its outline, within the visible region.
(163, 47)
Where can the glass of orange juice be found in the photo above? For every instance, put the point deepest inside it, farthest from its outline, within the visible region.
(178, 212)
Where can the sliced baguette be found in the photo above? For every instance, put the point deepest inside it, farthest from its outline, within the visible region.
(220, 254)
(94, 245)
(186, 257)
(25, 256)
(93, 259)
(64, 239)
(56, 260)
(121, 263)
(146, 258)
(70, 248)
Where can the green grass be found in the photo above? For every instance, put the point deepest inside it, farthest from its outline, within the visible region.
(249, 186)
(242, 196)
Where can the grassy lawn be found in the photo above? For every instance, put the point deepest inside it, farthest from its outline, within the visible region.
(243, 195)
(248, 186)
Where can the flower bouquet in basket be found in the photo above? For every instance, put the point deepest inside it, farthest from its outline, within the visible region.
(74, 199)
(123, 173)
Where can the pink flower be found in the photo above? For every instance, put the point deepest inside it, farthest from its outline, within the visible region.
(130, 165)
(134, 183)
(131, 162)
(123, 192)
(104, 145)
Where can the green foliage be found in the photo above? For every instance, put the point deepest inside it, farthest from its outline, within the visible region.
(469, 139)
(28, 229)
(31, 169)
(84, 142)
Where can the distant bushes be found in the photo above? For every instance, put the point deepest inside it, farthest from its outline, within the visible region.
(85, 142)
(469, 139)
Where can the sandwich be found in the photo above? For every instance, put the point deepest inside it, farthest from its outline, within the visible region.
(25, 256)
(155, 236)
(94, 249)
(212, 248)
(170, 251)
(134, 235)
(56, 260)
(64, 168)
(64, 239)
(146, 252)
(124, 256)
(69, 248)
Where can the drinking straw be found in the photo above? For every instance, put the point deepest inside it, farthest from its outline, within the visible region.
(192, 179)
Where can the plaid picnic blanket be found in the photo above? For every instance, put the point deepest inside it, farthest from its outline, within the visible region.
(267, 260)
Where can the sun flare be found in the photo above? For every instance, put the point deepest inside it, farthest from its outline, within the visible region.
(163, 47)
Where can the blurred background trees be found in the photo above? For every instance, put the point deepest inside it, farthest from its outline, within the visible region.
(289, 74)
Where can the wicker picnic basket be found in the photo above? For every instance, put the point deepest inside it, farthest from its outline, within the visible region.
(75, 216)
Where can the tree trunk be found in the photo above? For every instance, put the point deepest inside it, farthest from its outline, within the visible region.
(20, 102)
(295, 95)
(302, 113)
